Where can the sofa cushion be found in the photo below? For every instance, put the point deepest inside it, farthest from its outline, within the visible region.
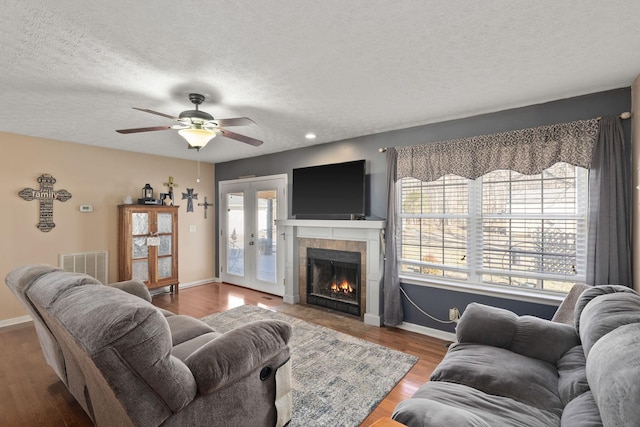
(185, 349)
(21, 278)
(544, 340)
(45, 291)
(133, 287)
(592, 293)
(572, 375)
(484, 324)
(581, 412)
(503, 373)
(448, 404)
(166, 313)
(527, 335)
(236, 353)
(606, 313)
(184, 328)
(613, 371)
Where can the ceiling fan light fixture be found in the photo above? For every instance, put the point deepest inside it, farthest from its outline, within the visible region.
(197, 137)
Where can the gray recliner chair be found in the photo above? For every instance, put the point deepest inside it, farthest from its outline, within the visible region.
(129, 363)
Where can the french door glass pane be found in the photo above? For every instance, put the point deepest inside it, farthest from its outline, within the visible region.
(266, 238)
(235, 241)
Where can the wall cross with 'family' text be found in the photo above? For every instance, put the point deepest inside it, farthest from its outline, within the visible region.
(45, 195)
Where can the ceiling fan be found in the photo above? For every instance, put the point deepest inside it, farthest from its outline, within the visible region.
(199, 127)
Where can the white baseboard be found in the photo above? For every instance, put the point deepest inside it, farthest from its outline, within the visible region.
(372, 320)
(435, 333)
(291, 299)
(14, 321)
(198, 283)
(165, 289)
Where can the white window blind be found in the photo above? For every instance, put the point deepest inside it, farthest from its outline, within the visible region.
(505, 228)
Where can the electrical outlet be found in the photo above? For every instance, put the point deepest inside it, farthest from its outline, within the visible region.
(454, 314)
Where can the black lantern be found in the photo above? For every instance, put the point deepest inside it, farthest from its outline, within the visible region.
(147, 192)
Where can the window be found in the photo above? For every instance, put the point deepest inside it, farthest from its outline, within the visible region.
(503, 229)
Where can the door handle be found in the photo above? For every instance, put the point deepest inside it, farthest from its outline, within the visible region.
(251, 243)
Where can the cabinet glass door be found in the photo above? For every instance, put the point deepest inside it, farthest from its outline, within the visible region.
(165, 261)
(140, 252)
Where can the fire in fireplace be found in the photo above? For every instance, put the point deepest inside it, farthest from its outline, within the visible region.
(333, 279)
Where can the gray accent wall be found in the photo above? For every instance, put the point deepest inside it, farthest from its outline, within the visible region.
(432, 300)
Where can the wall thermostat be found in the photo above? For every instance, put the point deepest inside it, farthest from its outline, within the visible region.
(86, 208)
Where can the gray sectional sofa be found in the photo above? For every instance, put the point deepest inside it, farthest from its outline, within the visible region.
(129, 363)
(506, 370)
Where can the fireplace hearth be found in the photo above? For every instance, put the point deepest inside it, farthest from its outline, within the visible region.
(333, 279)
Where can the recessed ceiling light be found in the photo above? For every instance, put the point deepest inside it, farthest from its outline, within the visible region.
(310, 135)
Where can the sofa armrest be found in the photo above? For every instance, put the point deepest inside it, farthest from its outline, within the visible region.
(237, 353)
(526, 335)
(133, 287)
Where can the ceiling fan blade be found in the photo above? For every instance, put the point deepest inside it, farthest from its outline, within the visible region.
(241, 138)
(238, 121)
(156, 113)
(143, 129)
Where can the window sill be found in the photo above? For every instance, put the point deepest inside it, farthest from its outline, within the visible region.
(541, 297)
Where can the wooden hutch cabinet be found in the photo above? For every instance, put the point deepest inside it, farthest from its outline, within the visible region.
(148, 245)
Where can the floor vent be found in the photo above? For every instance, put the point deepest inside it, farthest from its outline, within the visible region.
(95, 264)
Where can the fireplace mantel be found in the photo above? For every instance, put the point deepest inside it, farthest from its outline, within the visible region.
(331, 223)
(368, 231)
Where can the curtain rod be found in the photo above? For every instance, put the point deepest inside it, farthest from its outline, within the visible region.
(625, 115)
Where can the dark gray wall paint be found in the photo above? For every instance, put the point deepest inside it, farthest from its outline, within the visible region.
(437, 302)
(609, 103)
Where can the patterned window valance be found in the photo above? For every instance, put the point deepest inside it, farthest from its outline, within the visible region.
(528, 151)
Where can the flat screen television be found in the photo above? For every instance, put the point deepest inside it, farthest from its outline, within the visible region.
(334, 191)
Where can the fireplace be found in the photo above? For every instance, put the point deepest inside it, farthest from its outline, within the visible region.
(333, 279)
(364, 237)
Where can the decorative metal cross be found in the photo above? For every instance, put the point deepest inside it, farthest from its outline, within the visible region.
(171, 185)
(46, 195)
(206, 205)
(190, 196)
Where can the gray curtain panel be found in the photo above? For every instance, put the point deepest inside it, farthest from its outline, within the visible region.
(609, 246)
(391, 292)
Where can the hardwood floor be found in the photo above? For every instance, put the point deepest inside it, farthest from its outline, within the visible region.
(32, 395)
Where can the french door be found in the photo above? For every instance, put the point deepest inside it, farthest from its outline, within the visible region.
(248, 244)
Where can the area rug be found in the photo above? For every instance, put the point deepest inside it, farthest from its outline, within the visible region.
(337, 379)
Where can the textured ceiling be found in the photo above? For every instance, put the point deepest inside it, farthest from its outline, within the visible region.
(72, 69)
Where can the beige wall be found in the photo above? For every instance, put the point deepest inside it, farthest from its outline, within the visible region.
(100, 177)
(635, 172)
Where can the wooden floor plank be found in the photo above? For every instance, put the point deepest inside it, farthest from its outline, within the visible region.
(32, 395)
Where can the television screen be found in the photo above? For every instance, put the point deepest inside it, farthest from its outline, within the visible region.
(334, 191)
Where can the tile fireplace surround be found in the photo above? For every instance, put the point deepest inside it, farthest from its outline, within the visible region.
(357, 236)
